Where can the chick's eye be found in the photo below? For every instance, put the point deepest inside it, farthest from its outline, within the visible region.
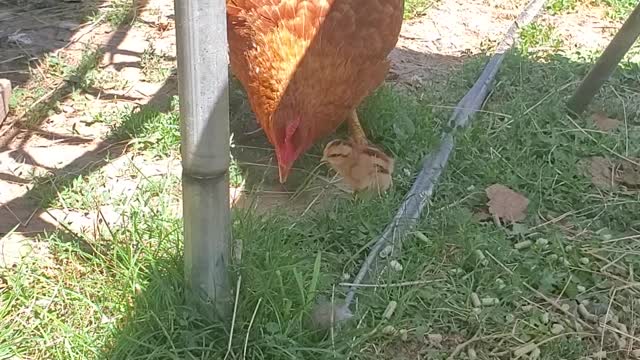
(382, 170)
(337, 155)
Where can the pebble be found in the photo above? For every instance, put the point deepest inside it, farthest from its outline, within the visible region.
(421, 237)
(490, 301)
(545, 318)
(391, 308)
(523, 245)
(600, 355)
(395, 265)
(386, 251)
(475, 300)
(389, 330)
(557, 329)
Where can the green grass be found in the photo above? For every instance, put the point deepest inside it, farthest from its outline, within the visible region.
(616, 9)
(152, 130)
(416, 8)
(560, 6)
(45, 92)
(619, 9)
(536, 37)
(120, 12)
(118, 293)
(116, 13)
(154, 66)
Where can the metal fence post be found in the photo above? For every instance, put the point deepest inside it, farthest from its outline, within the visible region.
(202, 54)
(607, 63)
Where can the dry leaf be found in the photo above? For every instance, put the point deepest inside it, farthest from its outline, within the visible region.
(163, 25)
(606, 174)
(603, 122)
(506, 204)
(599, 169)
(629, 174)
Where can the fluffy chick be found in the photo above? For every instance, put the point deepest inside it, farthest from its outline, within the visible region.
(363, 167)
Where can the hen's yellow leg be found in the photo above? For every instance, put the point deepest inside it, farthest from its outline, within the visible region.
(357, 133)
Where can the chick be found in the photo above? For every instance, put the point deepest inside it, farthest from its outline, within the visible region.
(362, 166)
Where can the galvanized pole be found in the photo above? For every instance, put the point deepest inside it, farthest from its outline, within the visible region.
(201, 31)
(607, 63)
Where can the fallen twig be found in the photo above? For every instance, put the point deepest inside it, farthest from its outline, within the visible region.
(402, 284)
(475, 338)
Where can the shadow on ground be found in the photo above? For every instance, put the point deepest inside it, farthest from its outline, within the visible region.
(31, 31)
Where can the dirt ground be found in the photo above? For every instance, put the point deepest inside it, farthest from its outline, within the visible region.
(66, 141)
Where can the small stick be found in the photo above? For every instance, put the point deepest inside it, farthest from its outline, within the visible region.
(630, 237)
(606, 319)
(246, 339)
(614, 262)
(333, 319)
(475, 338)
(380, 286)
(551, 339)
(618, 331)
(11, 59)
(233, 319)
(603, 146)
(593, 253)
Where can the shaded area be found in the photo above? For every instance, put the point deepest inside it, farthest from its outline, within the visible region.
(21, 131)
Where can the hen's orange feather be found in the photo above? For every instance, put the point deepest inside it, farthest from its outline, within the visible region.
(312, 60)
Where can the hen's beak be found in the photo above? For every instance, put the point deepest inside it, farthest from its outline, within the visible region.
(284, 172)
